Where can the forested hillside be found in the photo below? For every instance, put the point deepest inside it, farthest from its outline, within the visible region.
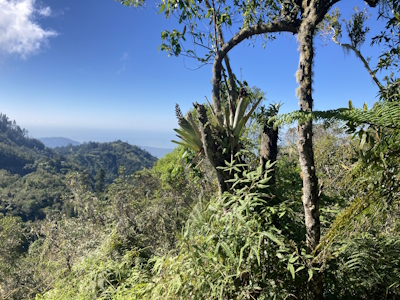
(109, 157)
(33, 179)
(17, 150)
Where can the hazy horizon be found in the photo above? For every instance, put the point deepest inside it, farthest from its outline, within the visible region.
(157, 139)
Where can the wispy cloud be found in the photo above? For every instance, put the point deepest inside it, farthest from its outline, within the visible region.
(124, 59)
(19, 33)
(45, 11)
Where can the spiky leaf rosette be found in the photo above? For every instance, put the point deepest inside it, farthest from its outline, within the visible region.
(189, 133)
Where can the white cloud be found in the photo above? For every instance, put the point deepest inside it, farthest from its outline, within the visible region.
(19, 33)
(45, 11)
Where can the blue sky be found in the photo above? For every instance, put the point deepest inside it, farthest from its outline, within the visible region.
(91, 70)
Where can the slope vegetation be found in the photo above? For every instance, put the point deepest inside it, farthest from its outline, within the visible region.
(108, 156)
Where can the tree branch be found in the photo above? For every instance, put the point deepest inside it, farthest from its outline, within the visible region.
(279, 26)
(232, 92)
(323, 10)
(360, 56)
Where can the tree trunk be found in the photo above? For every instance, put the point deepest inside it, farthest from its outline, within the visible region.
(305, 147)
(212, 149)
(269, 149)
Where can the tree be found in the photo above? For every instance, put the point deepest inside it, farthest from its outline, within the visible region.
(100, 180)
(218, 139)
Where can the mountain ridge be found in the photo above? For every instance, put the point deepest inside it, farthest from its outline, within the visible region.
(54, 142)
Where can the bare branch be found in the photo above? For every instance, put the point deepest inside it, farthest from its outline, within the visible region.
(232, 92)
(365, 62)
(278, 26)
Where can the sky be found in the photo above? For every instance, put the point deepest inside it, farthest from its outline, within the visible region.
(91, 71)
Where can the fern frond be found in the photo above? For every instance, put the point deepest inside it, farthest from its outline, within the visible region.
(383, 114)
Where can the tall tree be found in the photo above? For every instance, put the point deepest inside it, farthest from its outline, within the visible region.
(217, 138)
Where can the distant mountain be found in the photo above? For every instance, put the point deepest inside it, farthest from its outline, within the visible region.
(33, 178)
(157, 152)
(54, 142)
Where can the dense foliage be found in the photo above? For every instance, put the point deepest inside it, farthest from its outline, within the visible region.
(165, 233)
(110, 157)
(32, 177)
(95, 248)
(136, 243)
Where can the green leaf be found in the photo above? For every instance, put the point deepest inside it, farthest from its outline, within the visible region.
(363, 139)
(299, 268)
(208, 13)
(162, 7)
(292, 259)
(291, 270)
(228, 251)
(273, 238)
(186, 145)
(190, 138)
(310, 274)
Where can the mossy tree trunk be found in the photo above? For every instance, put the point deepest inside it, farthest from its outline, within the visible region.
(310, 199)
(212, 150)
